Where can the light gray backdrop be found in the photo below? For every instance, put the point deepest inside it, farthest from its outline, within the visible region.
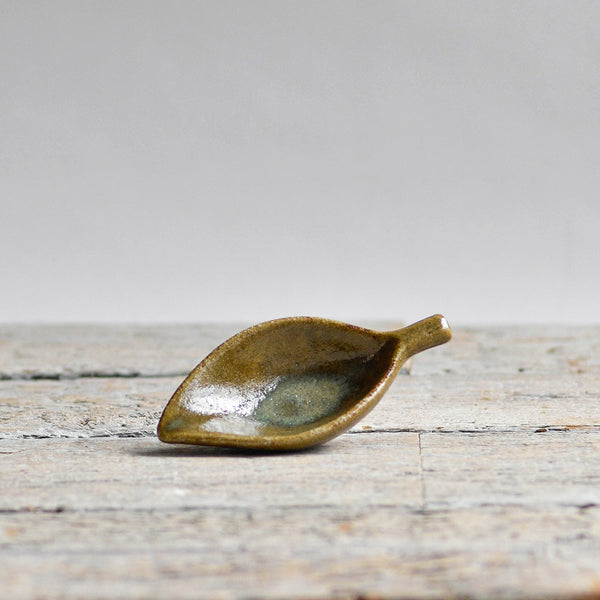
(247, 160)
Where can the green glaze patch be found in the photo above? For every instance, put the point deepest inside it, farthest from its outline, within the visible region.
(302, 399)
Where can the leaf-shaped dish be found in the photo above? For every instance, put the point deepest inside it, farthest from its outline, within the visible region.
(291, 383)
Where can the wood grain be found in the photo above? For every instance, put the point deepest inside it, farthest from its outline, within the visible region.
(478, 476)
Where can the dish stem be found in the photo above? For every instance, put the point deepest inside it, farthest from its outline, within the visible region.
(425, 334)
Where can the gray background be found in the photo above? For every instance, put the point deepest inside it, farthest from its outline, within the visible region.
(173, 161)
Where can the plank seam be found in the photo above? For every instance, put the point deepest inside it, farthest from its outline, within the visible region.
(422, 475)
(151, 433)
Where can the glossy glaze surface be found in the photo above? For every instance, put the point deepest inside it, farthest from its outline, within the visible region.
(291, 383)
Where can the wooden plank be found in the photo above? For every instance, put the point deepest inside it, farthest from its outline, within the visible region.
(92, 513)
(109, 473)
(444, 402)
(553, 468)
(308, 552)
(428, 471)
(537, 350)
(86, 407)
(68, 351)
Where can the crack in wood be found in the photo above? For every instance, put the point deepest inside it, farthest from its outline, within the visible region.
(336, 509)
(88, 375)
(422, 476)
(151, 433)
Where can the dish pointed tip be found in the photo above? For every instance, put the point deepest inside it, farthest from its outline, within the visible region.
(163, 431)
(173, 424)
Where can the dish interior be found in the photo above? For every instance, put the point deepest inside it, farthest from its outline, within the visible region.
(283, 381)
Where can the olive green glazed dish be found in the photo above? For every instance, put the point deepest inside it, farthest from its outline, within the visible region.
(291, 383)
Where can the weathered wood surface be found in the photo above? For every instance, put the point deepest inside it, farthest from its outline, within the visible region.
(73, 351)
(476, 476)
